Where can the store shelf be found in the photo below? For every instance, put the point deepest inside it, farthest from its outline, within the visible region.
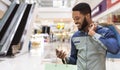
(108, 11)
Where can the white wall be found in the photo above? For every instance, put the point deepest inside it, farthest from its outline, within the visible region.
(54, 12)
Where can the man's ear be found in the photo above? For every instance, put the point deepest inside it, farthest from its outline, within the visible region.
(87, 15)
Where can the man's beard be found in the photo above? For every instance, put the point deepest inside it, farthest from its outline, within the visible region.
(84, 25)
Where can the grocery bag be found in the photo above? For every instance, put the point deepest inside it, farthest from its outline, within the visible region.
(54, 66)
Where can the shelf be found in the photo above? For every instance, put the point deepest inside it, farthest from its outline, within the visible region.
(108, 11)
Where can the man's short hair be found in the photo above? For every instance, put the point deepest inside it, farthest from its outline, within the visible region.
(84, 8)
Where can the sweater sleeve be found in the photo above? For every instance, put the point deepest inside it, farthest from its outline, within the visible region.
(107, 39)
(73, 55)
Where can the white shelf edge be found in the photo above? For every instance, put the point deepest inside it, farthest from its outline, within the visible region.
(108, 11)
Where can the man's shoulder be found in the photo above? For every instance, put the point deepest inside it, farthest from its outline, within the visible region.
(101, 28)
(78, 34)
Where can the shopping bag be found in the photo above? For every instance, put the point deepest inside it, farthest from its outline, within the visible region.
(54, 66)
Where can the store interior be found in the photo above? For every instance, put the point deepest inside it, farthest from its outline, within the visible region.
(43, 26)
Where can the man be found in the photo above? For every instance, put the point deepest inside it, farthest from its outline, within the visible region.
(90, 43)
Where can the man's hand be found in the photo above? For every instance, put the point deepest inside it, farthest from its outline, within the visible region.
(91, 29)
(60, 54)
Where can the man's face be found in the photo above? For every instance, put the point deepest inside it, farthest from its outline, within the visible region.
(79, 20)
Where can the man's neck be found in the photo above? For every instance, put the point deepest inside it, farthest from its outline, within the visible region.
(86, 28)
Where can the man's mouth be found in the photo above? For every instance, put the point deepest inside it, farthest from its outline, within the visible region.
(78, 25)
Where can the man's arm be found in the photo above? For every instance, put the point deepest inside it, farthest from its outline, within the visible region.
(69, 60)
(107, 39)
(73, 55)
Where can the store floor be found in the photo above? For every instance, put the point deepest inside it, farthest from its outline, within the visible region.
(37, 61)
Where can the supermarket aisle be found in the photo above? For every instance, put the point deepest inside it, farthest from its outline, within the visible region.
(30, 61)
